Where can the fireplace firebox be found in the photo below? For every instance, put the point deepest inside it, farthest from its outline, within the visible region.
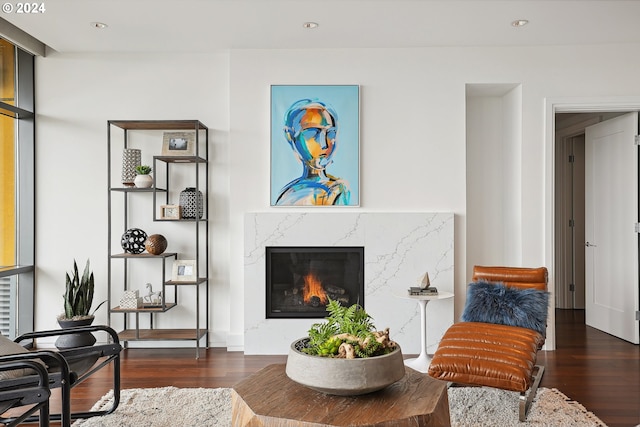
(301, 280)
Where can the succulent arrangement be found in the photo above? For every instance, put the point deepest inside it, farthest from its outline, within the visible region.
(78, 295)
(143, 169)
(347, 333)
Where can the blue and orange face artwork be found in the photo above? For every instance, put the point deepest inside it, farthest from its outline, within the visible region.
(311, 129)
(307, 167)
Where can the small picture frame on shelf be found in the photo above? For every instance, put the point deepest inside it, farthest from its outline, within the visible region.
(170, 212)
(179, 144)
(184, 270)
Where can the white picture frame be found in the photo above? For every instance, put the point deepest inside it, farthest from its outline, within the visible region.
(184, 270)
(179, 144)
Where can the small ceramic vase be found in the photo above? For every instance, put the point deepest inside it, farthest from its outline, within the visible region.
(143, 181)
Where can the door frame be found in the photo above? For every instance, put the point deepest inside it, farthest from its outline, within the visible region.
(566, 105)
(566, 233)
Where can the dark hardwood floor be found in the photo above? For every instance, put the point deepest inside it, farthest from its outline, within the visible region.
(596, 369)
(589, 366)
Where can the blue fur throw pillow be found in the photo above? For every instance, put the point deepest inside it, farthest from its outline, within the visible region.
(499, 304)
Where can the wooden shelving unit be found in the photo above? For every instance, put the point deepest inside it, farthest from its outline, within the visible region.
(160, 335)
(160, 192)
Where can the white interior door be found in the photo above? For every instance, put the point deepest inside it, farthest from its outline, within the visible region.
(611, 249)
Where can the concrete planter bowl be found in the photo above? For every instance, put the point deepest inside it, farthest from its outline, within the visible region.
(343, 377)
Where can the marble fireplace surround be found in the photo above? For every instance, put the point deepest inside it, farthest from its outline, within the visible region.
(398, 249)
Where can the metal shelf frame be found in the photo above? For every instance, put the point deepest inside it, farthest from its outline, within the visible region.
(198, 161)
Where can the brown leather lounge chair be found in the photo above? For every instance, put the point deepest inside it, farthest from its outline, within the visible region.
(502, 329)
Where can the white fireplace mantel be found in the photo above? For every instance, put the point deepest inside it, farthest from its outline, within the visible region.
(398, 249)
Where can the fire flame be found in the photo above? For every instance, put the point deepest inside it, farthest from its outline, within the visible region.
(313, 287)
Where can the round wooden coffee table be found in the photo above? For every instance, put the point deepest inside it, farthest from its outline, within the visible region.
(270, 398)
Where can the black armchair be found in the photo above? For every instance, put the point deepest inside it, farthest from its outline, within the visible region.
(27, 377)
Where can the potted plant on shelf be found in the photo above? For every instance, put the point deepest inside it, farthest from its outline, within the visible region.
(346, 355)
(78, 298)
(143, 179)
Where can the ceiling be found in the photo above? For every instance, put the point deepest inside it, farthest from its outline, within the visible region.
(211, 25)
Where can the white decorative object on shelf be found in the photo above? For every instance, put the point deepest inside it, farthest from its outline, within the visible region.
(143, 181)
(130, 299)
(152, 297)
(185, 270)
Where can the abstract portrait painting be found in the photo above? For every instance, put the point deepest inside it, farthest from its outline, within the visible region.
(315, 145)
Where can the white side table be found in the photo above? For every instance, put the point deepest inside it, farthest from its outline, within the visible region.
(422, 362)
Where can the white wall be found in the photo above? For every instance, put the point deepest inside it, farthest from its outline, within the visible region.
(485, 180)
(76, 95)
(412, 140)
(493, 156)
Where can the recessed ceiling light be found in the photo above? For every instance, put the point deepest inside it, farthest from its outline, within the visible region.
(99, 25)
(520, 22)
(310, 25)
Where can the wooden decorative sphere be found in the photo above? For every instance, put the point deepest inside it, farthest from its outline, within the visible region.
(155, 244)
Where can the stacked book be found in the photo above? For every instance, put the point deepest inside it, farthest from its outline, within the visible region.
(415, 290)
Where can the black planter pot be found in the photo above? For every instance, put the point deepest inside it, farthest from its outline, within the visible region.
(81, 339)
(73, 340)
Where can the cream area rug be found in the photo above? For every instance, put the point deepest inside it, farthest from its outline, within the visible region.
(469, 406)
